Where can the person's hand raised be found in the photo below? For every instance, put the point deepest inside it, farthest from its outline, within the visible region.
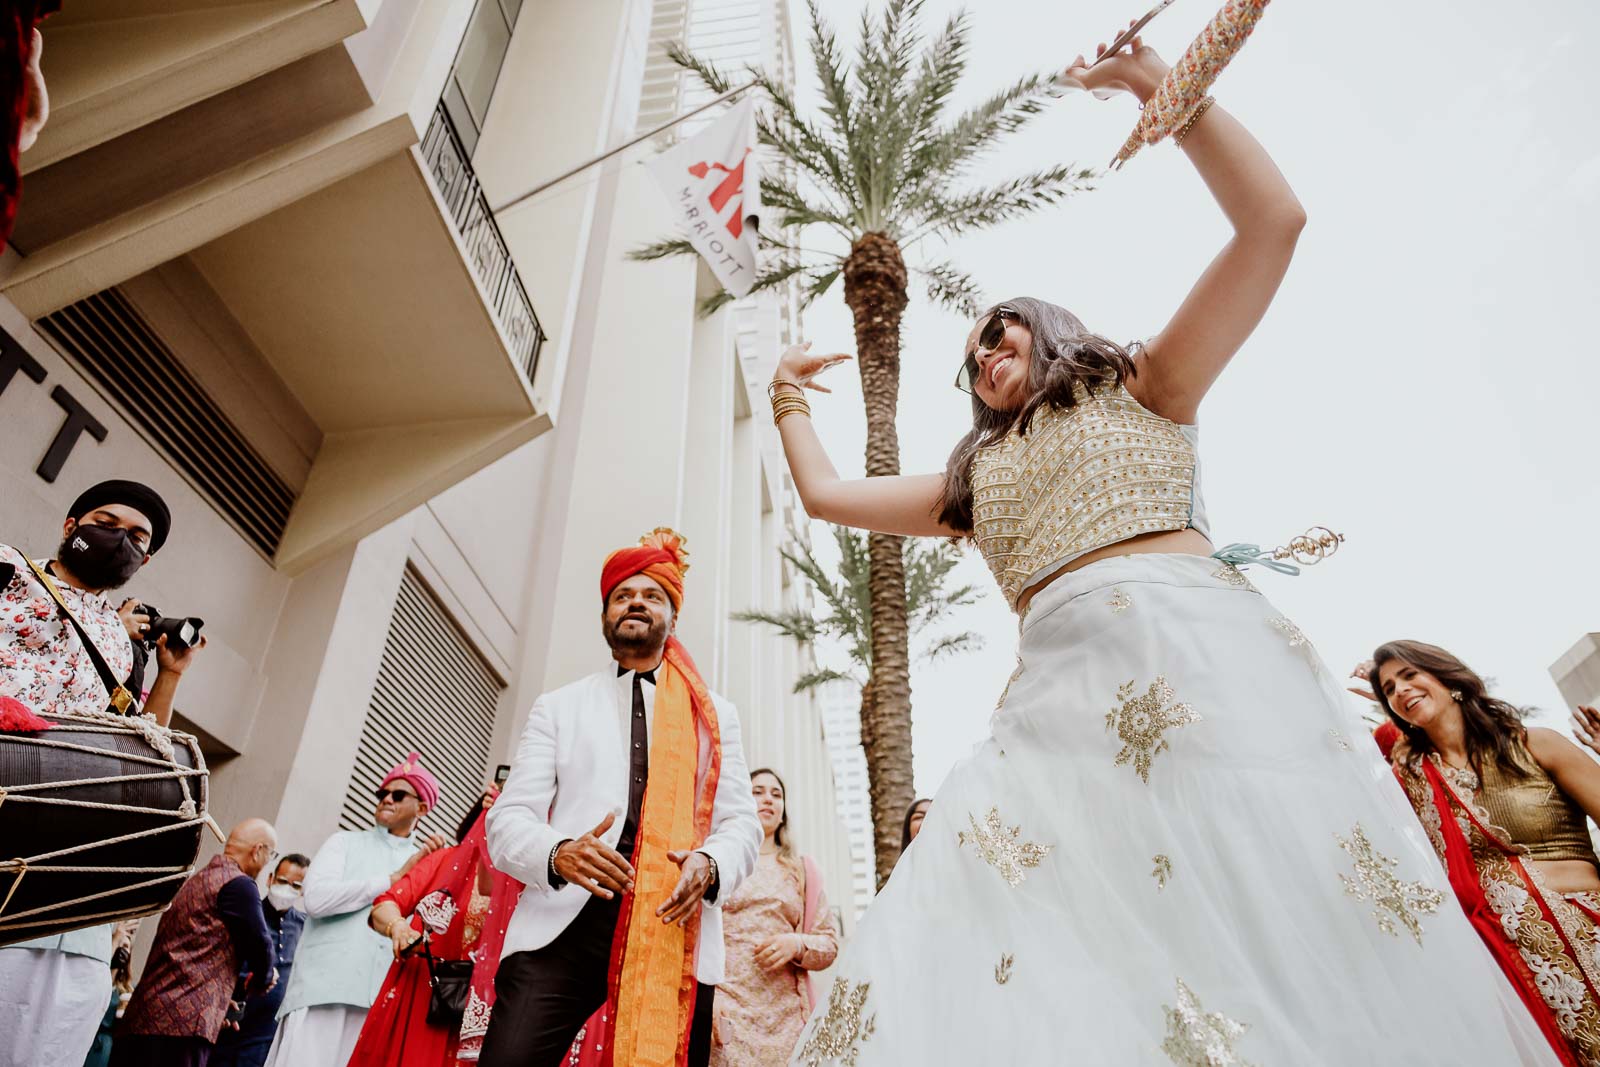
(1586, 726)
(594, 865)
(797, 366)
(1135, 69)
(1363, 674)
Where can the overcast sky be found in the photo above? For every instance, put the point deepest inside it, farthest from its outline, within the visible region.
(1425, 382)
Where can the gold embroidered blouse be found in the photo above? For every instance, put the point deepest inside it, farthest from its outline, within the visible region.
(1100, 472)
(1536, 813)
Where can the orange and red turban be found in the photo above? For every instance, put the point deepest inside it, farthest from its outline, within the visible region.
(659, 555)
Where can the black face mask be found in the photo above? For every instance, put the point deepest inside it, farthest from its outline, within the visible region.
(103, 558)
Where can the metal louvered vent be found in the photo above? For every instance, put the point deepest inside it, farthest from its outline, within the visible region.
(111, 342)
(435, 695)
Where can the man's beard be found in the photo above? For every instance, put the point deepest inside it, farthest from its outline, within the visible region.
(635, 643)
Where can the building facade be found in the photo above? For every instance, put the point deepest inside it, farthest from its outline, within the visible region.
(841, 717)
(259, 265)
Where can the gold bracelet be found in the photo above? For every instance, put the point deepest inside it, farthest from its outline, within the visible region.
(789, 405)
(779, 383)
(1194, 116)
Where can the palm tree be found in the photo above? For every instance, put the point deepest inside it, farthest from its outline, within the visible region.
(847, 621)
(883, 166)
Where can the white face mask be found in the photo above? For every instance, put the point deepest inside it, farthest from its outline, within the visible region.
(282, 897)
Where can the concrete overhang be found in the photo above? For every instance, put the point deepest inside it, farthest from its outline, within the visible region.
(362, 299)
(116, 65)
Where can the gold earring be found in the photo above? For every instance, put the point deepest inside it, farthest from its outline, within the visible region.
(1455, 694)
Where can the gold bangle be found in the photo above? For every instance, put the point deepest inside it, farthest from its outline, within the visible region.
(1194, 116)
(781, 383)
(789, 405)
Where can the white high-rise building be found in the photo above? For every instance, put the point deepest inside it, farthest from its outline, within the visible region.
(841, 724)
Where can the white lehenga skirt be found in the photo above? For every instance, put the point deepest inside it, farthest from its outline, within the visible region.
(1178, 845)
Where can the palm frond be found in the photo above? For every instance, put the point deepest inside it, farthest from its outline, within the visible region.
(819, 285)
(963, 140)
(770, 278)
(711, 76)
(672, 246)
(952, 288)
(822, 676)
(952, 645)
(1012, 199)
(799, 625)
(831, 71)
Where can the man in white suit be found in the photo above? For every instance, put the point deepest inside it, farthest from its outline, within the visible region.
(628, 815)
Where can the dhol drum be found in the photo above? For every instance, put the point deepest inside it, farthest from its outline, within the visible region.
(100, 819)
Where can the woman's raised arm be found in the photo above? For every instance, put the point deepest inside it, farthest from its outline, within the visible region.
(903, 504)
(1178, 366)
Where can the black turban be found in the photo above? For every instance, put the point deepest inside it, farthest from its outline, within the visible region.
(135, 495)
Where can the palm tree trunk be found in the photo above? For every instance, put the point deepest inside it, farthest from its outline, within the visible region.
(875, 290)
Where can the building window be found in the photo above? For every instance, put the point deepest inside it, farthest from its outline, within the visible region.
(483, 53)
(434, 694)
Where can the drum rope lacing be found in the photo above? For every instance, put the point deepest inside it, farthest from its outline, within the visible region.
(188, 812)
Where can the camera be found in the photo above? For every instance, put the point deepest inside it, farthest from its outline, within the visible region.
(180, 633)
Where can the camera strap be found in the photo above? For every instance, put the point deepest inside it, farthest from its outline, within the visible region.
(121, 699)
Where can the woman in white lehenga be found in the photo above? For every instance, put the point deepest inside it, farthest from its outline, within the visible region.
(1177, 845)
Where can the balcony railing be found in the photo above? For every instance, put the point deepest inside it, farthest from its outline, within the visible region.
(451, 168)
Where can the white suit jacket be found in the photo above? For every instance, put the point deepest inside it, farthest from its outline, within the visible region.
(570, 770)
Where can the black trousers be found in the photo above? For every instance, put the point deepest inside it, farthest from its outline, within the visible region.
(543, 997)
(154, 1050)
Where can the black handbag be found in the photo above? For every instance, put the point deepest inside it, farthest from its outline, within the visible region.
(451, 981)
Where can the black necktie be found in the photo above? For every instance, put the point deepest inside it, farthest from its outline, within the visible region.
(638, 764)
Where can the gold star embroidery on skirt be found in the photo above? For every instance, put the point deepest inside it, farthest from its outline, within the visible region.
(1002, 848)
(1141, 721)
(1162, 871)
(1198, 1039)
(1393, 900)
(837, 1034)
(1119, 602)
(1233, 576)
(1002, 970)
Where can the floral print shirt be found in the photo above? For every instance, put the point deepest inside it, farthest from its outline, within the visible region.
(42, 662)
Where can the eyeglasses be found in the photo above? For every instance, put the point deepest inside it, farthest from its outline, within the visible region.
(399, 795)
(990, 337)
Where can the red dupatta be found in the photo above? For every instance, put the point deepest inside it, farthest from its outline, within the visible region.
(1522, 924)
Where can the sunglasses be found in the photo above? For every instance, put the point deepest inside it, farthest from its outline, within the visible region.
(399, 795)
(990, 337)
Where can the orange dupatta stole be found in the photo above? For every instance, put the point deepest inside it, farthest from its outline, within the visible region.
(652, 977)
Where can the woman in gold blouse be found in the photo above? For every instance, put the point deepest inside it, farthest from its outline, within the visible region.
(1168, 845)
(1507, 807)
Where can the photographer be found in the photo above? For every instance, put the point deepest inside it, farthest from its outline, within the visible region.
(53, 990)
(63, 647)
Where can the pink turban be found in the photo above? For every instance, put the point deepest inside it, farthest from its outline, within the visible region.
(422, 780)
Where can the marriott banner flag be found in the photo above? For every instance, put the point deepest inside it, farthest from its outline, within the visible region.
(712, 184)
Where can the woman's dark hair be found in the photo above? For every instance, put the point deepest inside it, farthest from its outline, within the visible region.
(1493, 727)
(469, 820)
(780, 837)
(1065, 355)
(905, 827)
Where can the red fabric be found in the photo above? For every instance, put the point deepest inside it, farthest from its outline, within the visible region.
(1387, 735)
(676, 657)
(657, 563)
(192, 966)
(660, 554)
(1463, 873)
(17, 718)
(396, 1032)
(16, 45)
